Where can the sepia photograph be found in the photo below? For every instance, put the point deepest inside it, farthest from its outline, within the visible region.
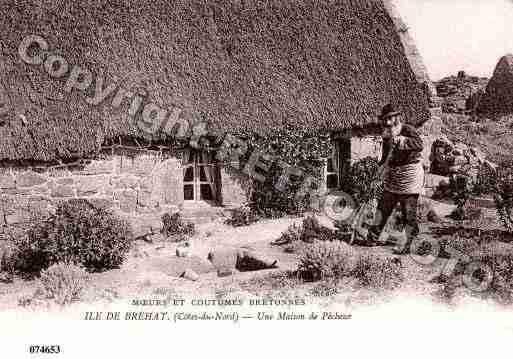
(180, 175)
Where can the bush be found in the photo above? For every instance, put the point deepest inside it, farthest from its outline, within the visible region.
(442, 191)
(460, 187)
(363, 181)
(485, 181)
(458, 214)
(293, 234)
(242, 216)
(424, 208)
(501, 287)
(269, 202)
(78, 233)
(313, 230)
(501, 265)
(323, 260)
(63, 282)
(8, 257)
(175, 226)
(309, 231)
(504, 196)
(376, 272)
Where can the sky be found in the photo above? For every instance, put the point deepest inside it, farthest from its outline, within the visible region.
(454, 35)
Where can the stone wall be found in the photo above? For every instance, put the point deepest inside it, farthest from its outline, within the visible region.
(139, 186)
(135, 185)
(232, 189)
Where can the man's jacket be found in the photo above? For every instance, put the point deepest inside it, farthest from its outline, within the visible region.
(407, 151)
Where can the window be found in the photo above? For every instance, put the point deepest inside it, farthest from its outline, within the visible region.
(331, 171)
(199, 176)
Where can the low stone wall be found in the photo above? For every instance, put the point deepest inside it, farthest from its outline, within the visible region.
(139, 186)
(142, 184)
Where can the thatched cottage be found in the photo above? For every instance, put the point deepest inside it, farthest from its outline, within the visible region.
(259, 65)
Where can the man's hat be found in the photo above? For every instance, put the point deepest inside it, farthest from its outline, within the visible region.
(388, 111)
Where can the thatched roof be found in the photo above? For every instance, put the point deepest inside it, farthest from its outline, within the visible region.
(256, 64)
(498, 99)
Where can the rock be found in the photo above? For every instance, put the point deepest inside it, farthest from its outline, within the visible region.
(144, 198)
(127, 200)
(224, 272)
(184, 250)
(458, 214)
(62, 191)
(64, 181)
(449, 158)
(433, 217)
(433, 181)
(7, 182)
(249, 260)
(102, 203)
(129, 181)
(90, 185)
(498, 98)
(473, 211)
(241, 259)
(29, 179)
(190, 275)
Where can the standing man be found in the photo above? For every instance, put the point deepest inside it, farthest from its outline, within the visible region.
(403, 175)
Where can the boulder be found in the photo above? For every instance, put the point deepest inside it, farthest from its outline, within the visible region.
(190, 275)
(433, 217)
(498, 99)
(241, 259)
(448, 158)
(184, 250)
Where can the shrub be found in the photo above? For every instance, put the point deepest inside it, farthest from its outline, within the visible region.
(424, 208)
(501, 265)
(275, 196)
(313, 230)
(309, 231)
(363, 181)
(433, 217)
(460, 187)
(242, 216)
(323, 260)
(270, 202)
(63, 282)
(504, 196)
(293, 234)
(174, 225)
(485, 180)
(458, 214)
(501, 287)
(442, 191)
(376, 272)
(8, 259)
(78, 233)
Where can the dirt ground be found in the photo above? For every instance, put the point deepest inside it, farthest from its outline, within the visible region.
(153, 270)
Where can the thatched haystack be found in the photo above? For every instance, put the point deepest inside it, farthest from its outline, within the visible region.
(498, 99)
(256, 65)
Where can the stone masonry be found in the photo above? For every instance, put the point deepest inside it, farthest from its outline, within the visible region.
(139, 187)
